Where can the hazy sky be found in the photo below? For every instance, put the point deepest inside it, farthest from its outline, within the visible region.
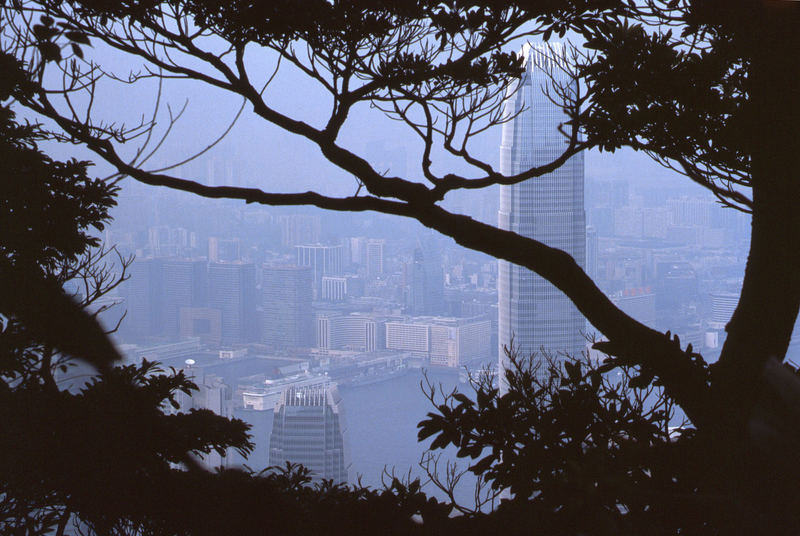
(272, 159)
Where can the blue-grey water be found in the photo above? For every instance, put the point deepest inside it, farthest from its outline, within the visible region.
(382, 430)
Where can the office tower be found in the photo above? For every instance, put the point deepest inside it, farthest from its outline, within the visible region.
(358, 250)
(323, 260)
(548, 208)
(204, 323)
(640, 303)
(231, 290)
(412, 335)
(456, 341)
(308, 428)
(159, 240)
(212, 394)
(427, 284)
(184, 284)
(416, 298)
(723, 304)
(167, 241)
(288, 320)
(374, 257)
(299, 229)
(142, 293)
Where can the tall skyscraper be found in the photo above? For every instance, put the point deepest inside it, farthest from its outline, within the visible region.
(374, 257)
(427, 284)
(288, 320)
(308, 428)
(548, 208)
(142, 293)
(231, 290)
(184, 284)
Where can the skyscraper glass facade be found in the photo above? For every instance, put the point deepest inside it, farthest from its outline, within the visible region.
(549, 208)
(309, 429)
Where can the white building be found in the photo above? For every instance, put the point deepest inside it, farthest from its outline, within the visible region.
(408, 335)
(356, 331)
(446, 342)
(334, 288)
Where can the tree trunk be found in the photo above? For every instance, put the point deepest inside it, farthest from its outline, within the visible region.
(762, 324)
(750, 442)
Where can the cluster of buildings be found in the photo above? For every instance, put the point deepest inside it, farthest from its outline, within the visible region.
(311, 306)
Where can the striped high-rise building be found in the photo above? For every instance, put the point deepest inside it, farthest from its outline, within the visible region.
(288, 319)
(231, 290)
(548, 208)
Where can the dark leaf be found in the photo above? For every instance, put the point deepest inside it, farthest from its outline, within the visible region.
(50, 51)
(77, 36)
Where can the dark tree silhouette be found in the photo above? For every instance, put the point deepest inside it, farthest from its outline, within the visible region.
(704, 86)
(58, 448)
(578, 451)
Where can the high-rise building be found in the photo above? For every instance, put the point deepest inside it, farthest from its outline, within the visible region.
(323, 260)
(288, 320)
(677, 294)
(184, 284)
(299, 229)
(142, 293)
(358, 250)
(374, 257)
(231, 290)
(427, 284)
(213, 394)
(723, 304)
(548, 208)
(204, 323)
(308, 428)
(334, 288)
(220, 250)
